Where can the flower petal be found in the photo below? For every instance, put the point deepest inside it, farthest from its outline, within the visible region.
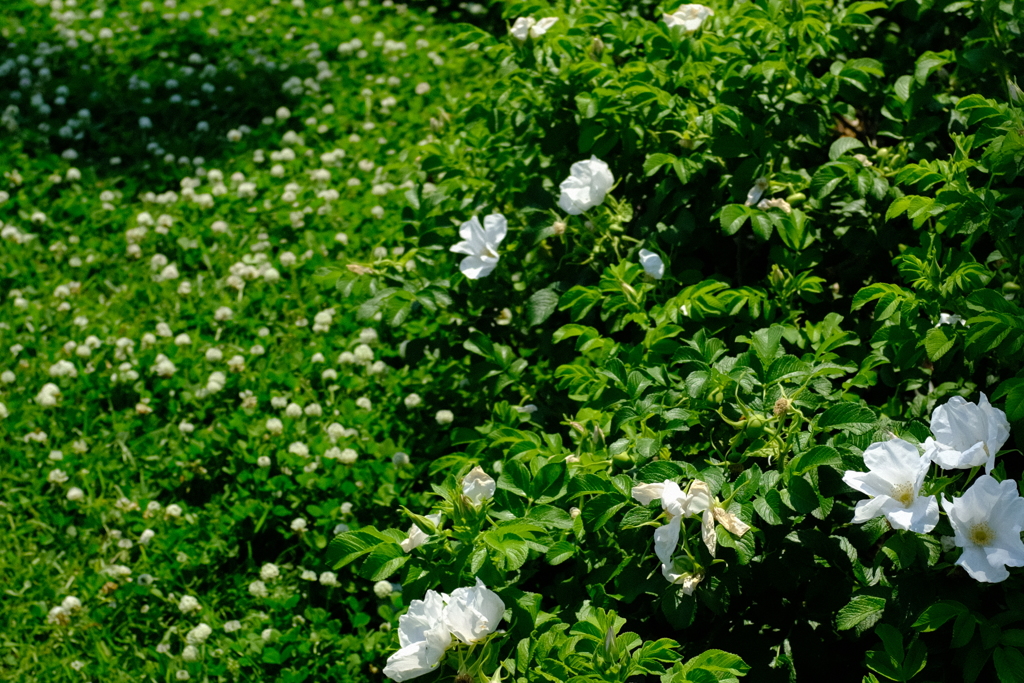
(666, 539)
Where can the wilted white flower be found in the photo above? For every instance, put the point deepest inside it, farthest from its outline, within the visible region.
(967, 434)
(690, 17)
(894, 481)
(677, 505)
(480, 243)
(528, 27)
(652, 263)
(588, 183)
(987, 521)
(755, 192)
(478, 486)
(417, 536)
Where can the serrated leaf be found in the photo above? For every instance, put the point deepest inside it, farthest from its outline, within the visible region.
(733, 217)
(842, 146)
(862, 612)
(848, 416)
(541, 305)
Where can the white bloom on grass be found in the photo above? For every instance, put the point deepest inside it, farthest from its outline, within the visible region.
(588, 183)
(478, 486)
(382, 589)
(894, 481)
(444, 417)
(528, 27)
(652, 263)
(198, 635)
(423, 638)
(690, 17)
(418, 536)
(189, 604)
(269, 571)
(967, 434)
(987, 521)
(258, 588)
(480, 243)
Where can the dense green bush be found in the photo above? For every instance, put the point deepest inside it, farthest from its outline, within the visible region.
(796, 250)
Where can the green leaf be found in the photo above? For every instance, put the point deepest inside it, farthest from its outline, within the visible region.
(850, 417)
(938, 614)
(656, 161)
(816, 457)
(862, 612)
(1009, 664)
(733, 217)
(769, 507)
(541, 305)
(843, 145)
(559, 552)
(938, 342)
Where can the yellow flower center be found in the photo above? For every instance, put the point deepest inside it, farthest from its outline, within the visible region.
(981, 534)
(904, 493)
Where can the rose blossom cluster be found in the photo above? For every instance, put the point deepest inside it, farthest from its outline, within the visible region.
(987, 519)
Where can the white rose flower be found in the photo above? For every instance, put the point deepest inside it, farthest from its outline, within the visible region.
(423, 636)
(478, 486)
(480, 243)
(967, 434)
(690, 17)
(894, 481)
(586, 186)
(652, 263)
(987, 521)
(527, 27)
(472, 614)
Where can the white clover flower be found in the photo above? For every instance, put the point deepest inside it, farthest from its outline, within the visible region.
(690, 17)
(308, 575)
(894, 481)
(987, 521)
(423, 637)
(189, 654)
(189, 604)
(412, 400)
(198, 635)
(293, 410)
(48, 395)
(298, 524)
(173, 510)
(299, 448)
(382, 589)
(528, 27)
(967, 434)
(480, 243)
(652, 263)
(348, 456)
(444, 417)
(258, 588)
(146, 536)
(75, 494)
(478, 486)
(57, 477)
(329, 579)
(400, 459)
(418, 536)
(275, 426)
(71, 604)
(364, 403)
(269, 571)
(263, 461)
(232, 626)
(588, 183)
